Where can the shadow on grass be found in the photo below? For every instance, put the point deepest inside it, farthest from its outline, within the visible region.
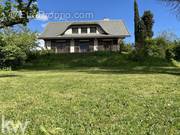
(8, 76)
(136, 70)
(112, 70)
(101, 63)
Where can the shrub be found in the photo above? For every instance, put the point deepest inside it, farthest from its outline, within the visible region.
(156, 47)
(152, 48)
(177, 52)
(15, 45)
(137, 56)
(126, 47)
(170, 54)
(11, 56)
(173, 51)
(37, 53)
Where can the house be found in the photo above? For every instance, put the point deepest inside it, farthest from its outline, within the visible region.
(81, 37)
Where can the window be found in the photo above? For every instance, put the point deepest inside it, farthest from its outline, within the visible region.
(84, 46)
(115, 42)
(74, 30)
(93, 30)
(83, 30)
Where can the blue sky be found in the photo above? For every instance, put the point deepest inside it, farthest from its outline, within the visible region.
(112, 9)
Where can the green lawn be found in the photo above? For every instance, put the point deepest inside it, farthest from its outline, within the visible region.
(93, 101)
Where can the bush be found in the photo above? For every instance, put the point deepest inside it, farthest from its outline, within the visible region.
(137, 56)
(15, 45)
(37, 53)
(177, 52)
(11, 56)
(126, 47)
(156, 47)
(153, 48)
(173, 51)
(170, 54)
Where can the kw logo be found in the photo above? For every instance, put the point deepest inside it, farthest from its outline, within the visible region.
(10, 127)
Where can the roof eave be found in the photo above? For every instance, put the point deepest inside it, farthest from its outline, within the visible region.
(71, 37)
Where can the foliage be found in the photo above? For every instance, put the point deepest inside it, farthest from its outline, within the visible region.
(22, 37)
(159, 47)
(126, 47)
(172, 44)
(148, 20)
(177, 51)
(143, 27)
(15, 45)
(35, 54)
(17, 12)
(90, 60)
(141, 35)
(170, 54)
(11, 56)
(151, 48)
(154, 48)
(138, 56)
(162, 45)
(136, 22)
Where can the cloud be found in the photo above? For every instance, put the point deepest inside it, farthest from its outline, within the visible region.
(42, 17)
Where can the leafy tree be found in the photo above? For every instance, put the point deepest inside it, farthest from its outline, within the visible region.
(14, 12)
(15, 45)
(136, 22)
(148, 20)
(21, 37)
(11, 56)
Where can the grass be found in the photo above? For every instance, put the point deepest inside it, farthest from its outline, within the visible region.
(101, 99)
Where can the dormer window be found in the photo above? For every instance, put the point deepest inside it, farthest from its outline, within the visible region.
(74, 30)
(93, 29)
(84, 30)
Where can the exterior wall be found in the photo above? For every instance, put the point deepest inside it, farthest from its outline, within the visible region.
(76, 46)
(95, 45)
(88, 30)
(72, 46)
(68, 32)
(98, 30)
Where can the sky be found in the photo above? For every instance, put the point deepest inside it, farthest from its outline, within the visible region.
(83, 10)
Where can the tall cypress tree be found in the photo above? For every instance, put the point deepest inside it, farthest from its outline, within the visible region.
(141, 34)
(136, 22)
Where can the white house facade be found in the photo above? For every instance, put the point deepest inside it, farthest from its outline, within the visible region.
(82, 37)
